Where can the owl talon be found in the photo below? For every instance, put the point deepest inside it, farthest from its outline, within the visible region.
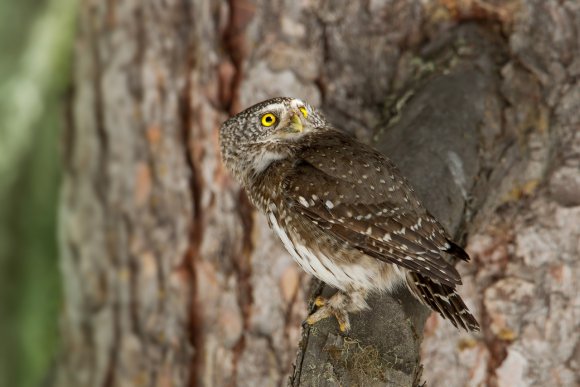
(320, 314)
(320, 301)
(325, 312)
(343, 321)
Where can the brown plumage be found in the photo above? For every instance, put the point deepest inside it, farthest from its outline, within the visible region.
(342, 210)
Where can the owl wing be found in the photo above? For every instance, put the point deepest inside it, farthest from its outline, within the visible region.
(373, 210)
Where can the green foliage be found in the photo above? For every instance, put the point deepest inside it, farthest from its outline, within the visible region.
(36, 40)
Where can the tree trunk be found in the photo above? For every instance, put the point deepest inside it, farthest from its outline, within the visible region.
(173, 279)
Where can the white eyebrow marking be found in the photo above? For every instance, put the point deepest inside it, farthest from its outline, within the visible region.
(272, 107)
(297, 103)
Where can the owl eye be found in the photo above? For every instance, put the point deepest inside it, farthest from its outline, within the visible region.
(268, 119)
(304, 111)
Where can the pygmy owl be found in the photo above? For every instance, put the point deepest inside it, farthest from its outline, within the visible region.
(342, 209)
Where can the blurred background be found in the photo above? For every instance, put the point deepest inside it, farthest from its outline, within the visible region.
(216, 307)
(35, 45)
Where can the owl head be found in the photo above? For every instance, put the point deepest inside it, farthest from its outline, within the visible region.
(266, 132)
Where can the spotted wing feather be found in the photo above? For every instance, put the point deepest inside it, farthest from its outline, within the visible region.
(359, 196)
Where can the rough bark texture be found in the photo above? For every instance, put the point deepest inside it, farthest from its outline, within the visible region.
(526, 256)
(439, 134)
(172, 278)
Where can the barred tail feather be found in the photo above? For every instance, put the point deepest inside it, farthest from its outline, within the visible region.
(442, 299)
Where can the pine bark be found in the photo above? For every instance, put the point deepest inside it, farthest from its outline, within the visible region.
(173, 279)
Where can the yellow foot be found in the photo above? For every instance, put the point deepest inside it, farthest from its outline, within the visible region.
(320, 301)
(324, 312)
(343, 322)
(310, 320)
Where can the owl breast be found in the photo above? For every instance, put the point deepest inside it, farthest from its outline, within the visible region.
(331, 262)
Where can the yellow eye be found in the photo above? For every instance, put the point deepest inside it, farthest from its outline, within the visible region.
(304, 111)
(268, 119)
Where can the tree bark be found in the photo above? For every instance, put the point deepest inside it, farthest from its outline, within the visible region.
(172, 278)
(438, 133)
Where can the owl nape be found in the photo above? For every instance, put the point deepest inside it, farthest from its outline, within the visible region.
(342, 210)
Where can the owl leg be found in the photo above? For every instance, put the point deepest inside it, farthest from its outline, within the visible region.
(333, 306)
(339, 305)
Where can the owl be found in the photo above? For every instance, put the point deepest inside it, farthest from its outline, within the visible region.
(342, 210)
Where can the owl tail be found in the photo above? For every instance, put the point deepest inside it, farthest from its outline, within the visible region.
(457, 251)
(442, 299)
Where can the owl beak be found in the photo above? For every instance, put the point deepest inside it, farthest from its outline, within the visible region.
(296, 123)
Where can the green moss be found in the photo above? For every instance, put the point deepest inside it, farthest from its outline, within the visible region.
(36, 39)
